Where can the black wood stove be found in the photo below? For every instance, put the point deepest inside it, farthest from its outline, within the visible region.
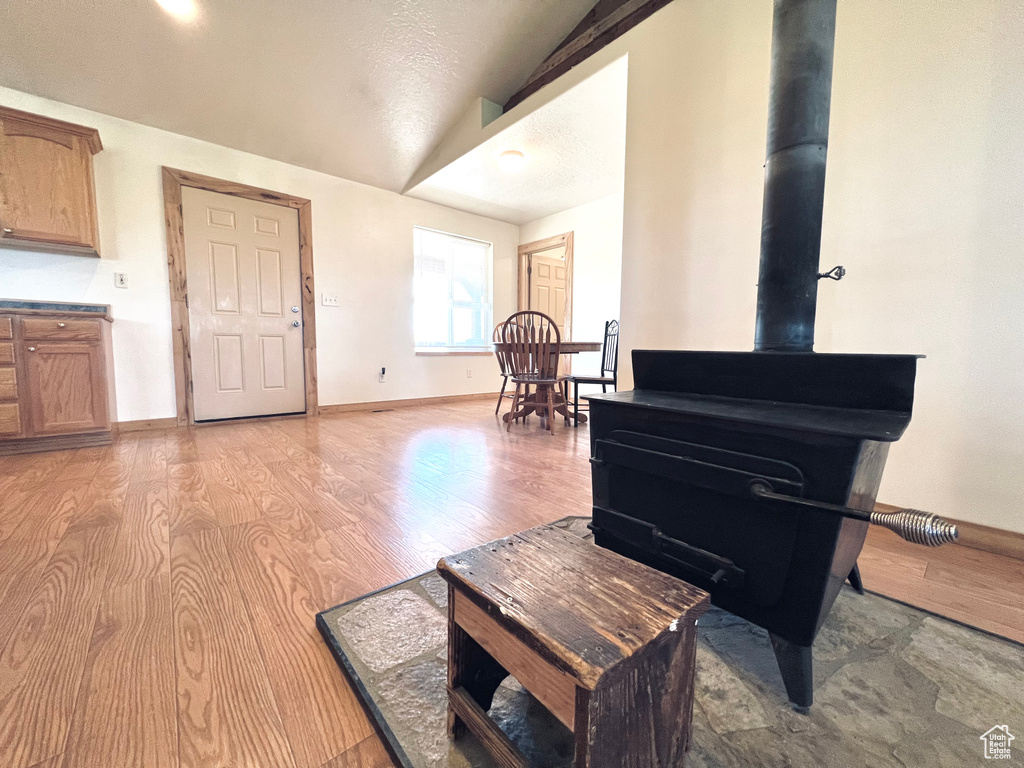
(754, 474)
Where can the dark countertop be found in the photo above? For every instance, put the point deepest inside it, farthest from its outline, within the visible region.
(54, 306)
(886, 426)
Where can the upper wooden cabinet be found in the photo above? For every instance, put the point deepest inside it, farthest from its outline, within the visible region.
(47, 193)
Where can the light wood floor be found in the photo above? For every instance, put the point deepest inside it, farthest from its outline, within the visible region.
(157, 595)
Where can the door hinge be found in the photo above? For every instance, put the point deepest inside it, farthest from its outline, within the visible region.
(529, 270)
(192, 387)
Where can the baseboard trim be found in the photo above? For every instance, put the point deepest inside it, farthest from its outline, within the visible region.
(143, 424)
(55, 443)
(981, 537)
(325, 410)
(376, 405)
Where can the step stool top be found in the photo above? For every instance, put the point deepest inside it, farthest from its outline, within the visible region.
(582, 608)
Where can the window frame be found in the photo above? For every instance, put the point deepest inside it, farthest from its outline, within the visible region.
(451, 348)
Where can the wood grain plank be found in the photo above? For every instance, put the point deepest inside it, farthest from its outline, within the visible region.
(182, 446)
(129, 671)
(150, 458)
(322, 715)
(41, 666)
(233, 497)
(24, 556)
(227, 714)
(369, 753)
(330, 577)
(104, 502)
(35, 470)
(190, 508)
(16, 503)
(141, 548)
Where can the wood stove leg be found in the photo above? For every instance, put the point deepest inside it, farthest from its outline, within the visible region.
(796, 663)
(855, 580)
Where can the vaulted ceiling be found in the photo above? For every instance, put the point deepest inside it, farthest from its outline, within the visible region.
(575, 148)
(361, 89)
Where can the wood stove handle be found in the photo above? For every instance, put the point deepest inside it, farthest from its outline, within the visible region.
(924, 528)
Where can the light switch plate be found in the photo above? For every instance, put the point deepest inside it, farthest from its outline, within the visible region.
(120, 280)
(330, 300)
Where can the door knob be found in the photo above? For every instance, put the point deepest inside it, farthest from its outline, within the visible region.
(61, 325)
(295, 309)
(31, 349)
(296, 323)
(7, 230)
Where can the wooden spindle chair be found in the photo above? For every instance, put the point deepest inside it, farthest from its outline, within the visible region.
(499, 351)
(609, 365)
(533, 344)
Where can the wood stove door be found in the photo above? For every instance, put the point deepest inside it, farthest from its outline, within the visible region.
(687, 508)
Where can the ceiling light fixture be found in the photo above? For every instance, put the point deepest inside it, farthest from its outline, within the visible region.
(182, 10)
(511, 160)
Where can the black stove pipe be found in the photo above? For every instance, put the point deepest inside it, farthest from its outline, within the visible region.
(803, 39)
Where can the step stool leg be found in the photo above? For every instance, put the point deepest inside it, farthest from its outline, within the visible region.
(643, 715)
(469, 667)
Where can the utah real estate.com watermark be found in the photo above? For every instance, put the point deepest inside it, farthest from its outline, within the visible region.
(997, 742)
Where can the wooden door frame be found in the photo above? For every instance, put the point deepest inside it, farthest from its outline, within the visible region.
(173, 181)
(526, 250)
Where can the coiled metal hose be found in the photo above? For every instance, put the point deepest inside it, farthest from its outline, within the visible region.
(925, 528)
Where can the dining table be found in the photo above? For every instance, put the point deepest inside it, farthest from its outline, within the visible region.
(532, 401)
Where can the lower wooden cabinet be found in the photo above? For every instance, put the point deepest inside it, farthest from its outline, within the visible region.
(66, 389)
(55, 378)
(10, 419)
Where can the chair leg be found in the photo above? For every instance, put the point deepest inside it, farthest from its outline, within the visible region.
(575, 403)
(604, 388)
(515, 403)
(564, 387)
(501, 395)
(551, 409)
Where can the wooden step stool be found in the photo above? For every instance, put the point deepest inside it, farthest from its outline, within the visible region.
(605, 643)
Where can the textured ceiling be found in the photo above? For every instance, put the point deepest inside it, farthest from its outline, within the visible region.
(575, 148)
(361, 89)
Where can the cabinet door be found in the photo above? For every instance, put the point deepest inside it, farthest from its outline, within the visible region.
(66, 387)
(46, 185)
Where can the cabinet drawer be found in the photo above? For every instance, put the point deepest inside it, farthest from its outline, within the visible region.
(6, 352)
(8, 384)
(6, 331)
(65, 330)
(10, 419)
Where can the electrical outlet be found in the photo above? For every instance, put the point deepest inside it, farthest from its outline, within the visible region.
(120, 280)
(380, 376)
(330, 300)
(469, 373)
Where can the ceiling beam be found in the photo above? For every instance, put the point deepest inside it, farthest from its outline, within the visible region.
(606, 21)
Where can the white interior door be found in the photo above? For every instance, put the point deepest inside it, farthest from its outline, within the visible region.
(548, 286)
(245, 308)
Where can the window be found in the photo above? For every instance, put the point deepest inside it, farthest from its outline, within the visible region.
(452, 292)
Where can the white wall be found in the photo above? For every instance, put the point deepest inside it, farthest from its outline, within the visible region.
(924, 207)
(597, 267)
(362, 250)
